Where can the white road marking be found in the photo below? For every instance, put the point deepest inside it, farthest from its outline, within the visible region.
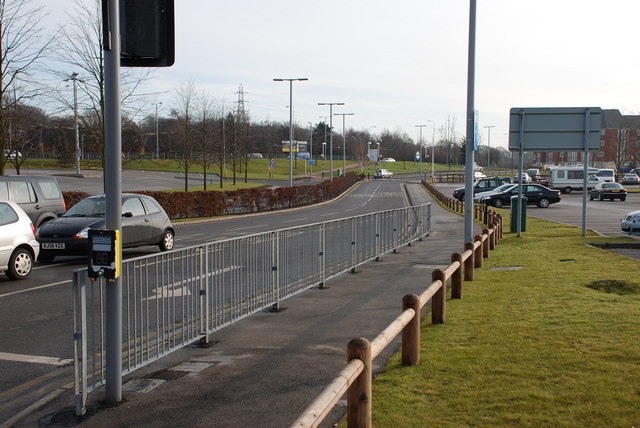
(246, 227)
(297, 219)
(34, 288)
(21, 358)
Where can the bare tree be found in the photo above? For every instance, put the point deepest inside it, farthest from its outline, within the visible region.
(183, 112)
(206, 134)
(22, 46)
(80, 47)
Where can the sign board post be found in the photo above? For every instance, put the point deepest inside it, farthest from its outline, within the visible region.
(554, 130)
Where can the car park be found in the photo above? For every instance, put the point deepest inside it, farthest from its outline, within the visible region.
(18, 246)
(144, 222)
(39, 196)
(482, 185)
(630, 179)
(631, 223)
(608, 190)
(382, 173)
(536, 194)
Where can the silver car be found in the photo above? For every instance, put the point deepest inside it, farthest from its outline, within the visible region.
(631, 223)
(18, 246)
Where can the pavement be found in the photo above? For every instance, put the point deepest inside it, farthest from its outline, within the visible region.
(265, 370)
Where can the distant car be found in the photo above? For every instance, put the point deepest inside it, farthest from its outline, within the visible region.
(536, 194)
(630, 178)
(254, 156)
(144, 222)
(18, 246)
(526, 178)
(477, 175)
(382, 173)
(388, 160)
(608, 190)
(631, 223)
(607, 174)
(534, 173)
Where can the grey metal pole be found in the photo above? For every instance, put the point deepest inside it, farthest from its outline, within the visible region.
(74, 77)
(113, 190)
(420, 145)
(433, 153)
(310, 149)
(468, 168)
(331, 135)
(157, 134)
(290, 80)
(344, 141)
(489, 145)
(585, 181)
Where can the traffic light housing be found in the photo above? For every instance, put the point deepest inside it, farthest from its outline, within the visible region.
(147, 33)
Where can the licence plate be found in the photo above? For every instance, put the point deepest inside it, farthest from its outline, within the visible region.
(53, 245)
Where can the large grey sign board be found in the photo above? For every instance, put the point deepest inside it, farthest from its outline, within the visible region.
(554, 129)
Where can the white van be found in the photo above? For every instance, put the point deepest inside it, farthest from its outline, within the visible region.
(570, 178)
(606, 174)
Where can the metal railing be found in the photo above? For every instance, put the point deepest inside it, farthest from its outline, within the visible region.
(178, 297)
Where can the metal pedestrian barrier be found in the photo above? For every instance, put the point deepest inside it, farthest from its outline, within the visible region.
(179, 297)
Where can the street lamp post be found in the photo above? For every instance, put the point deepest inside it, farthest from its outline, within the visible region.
(310, 149)
(324, 155)
(378, 154)
(368, 160)
(433, 152)
(74, 78)
(157, 133)
(331, 135)
(290, 80)
(489, 145)
(344, 141)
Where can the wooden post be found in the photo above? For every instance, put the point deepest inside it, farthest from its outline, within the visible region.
(468, 264)
(439, 299)
(485, 243)
(411, 332)
(456, 277)
(478, 252)
(359, 393)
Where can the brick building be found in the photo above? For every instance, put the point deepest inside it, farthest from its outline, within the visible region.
(619, 145)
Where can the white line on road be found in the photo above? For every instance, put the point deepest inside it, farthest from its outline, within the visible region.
(327, 214)
(294, 220)
(21, 358)
(34, 288)
(246, 227)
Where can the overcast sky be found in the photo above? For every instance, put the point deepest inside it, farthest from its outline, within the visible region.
(397, 64)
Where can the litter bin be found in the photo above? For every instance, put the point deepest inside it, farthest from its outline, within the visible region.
(514, 214)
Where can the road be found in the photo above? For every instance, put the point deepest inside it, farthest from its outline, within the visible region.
(37, 316)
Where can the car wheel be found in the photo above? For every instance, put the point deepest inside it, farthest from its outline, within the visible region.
(600, 198)
(591, 196)
(45, 257)
(497, 203)
(623, 198)
(567, 190)
(543, 203)
(20, 264)
(167, 241)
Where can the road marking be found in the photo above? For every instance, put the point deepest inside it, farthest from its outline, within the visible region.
(34, 288)
(294, 220)
(328, 214)
(21, 358)
(247, 227)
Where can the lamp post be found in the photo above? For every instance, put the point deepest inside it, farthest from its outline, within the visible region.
(310, 149)
(433, 152)
(324, 120)
(344, 141)
(331, 135)
(157, 133)
(324, 155)
(74, 78)
(368, 160)
(290, 80)
(378, 154)
(420, 144)
(489, 145)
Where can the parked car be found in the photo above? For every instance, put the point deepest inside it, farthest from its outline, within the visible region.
(39, 196)
(18, 246)
(144, 222)
(478, 175)
(536, 194)
(526, 178)
(606, 174)
(382, 173)
(630, 178)
(631, 223)
(388, 160)
(534, 173)
(482, 185)
(608, 190)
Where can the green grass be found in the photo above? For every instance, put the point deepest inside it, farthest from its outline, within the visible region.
(535, 347)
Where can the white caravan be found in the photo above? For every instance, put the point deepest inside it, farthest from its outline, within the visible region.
(570, 178)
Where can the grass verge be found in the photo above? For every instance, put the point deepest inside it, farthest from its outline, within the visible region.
(531, 347)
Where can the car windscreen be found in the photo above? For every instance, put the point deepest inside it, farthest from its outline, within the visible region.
(88, 208)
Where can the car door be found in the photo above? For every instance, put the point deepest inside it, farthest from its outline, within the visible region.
(7, 219)
(533, 194)
(23, 193)
(135, 223)
(157, 219)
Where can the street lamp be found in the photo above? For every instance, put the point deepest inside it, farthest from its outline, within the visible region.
(157, 133)
(489, 145)
(420, 144)
(310, 149)
(324, 155)
(433, 157)
(331, 135)
(291, 80)
(344, 141)
(368, 160)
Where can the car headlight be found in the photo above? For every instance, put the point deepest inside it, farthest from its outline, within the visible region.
(83, 234)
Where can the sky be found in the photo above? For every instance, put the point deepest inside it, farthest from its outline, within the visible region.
(398, 64)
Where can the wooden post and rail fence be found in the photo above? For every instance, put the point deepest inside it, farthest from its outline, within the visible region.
(356, 379)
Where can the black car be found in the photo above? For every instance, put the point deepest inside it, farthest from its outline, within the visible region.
(144, 222)
(607, 190)
(482, 185)
(536, 194)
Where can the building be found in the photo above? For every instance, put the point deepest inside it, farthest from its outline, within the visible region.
(619, 145)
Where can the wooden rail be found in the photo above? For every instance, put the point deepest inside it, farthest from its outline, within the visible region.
(356, 378)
